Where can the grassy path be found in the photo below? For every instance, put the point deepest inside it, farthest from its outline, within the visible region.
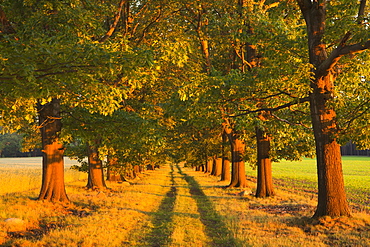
(186, 217)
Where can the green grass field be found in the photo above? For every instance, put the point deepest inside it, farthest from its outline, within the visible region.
(302, 176)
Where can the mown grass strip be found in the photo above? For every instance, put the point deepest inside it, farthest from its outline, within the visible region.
(163, 219)
(215, 228)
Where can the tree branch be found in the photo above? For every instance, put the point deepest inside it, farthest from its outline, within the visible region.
(358, 115)
(341, 51)
(304, 5)
(115, 23)
(342, 48)
(269, 109)
(290, 123)
(57, 73)
(148, 26)
(361, 12)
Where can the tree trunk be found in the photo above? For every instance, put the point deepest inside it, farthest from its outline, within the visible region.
(129, 172)
(331, 194)
(53, 188)
(150, 167)
(225, 170)
(202, 168)
(113, 173)
(136, 171)
(225, 174)
(264, 171)
(95, 178)
(213, 171)
(205, 50)
(217, 166)
(238, 178)
(208, 165)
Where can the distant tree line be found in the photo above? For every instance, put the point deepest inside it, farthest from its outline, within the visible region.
(11, 146)
(350, 149)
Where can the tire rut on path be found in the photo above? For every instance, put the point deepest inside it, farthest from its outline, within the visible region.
(215, 227)
(185, 189)
(162, 220)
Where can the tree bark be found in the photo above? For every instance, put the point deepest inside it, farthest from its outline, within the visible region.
(238, 178)
(264, 170)
(95, 178)
(213, 165)
(136, 171)
(53, 187)
(202, 168)
(208, 165)
(225, 170)
(331, 194)
(113, 173)
(217, 166)
(225, 174)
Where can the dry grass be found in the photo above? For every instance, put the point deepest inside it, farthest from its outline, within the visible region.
(24, 174)
(174, 206)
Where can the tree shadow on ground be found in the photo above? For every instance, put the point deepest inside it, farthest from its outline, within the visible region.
(37, 233)
(162, 219)
(339, 231)
(216, 229)
(282, 209)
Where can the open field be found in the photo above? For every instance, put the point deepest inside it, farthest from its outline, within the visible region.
(25, 174)
(300, 176)
(176, 206)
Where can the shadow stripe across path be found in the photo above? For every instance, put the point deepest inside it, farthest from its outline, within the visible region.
(162, 219)
(215, 228)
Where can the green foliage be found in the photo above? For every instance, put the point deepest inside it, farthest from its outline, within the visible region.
(148, 84)
(10, 145)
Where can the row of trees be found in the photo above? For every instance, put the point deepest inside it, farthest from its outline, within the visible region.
(143, 81)
(10, 145)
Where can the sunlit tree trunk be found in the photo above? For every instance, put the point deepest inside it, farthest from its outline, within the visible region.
(136, 171)
(225, 174)
(53, 188)
(217, 166)
(95, 178)
(237, 147)
(208, 165)
(264, 170)
(331, 194)
(202, 168)
(238, 178)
